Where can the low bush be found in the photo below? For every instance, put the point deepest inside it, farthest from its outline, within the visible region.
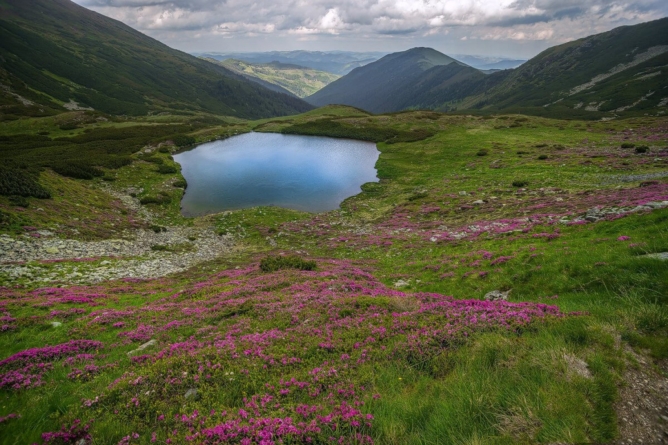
(19, 201)
(166, 169)
(542, 157)
(642, 149)
(78, 170)
(628, 145)
(273, 263)
(180, 183)
(21, 183)
(159, 199)
(520, 183)
(482, 152)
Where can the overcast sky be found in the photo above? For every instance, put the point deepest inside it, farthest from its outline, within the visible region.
(511, 28)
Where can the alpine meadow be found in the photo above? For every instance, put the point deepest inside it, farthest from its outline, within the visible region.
(503, 279)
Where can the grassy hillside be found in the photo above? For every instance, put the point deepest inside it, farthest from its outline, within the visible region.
(616, 73)
(57, 55)
(389, 83)
(298, 80)
(366, 324)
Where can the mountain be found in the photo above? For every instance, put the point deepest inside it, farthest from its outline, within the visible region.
(620, 72)
(58, 55)
(335, 62)
(488, 62)
(623, 72)
(395, 82)
(293, 79)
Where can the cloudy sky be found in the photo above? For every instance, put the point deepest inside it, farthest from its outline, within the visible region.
(511, 28)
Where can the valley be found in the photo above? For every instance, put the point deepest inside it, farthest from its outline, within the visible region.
(491, 270)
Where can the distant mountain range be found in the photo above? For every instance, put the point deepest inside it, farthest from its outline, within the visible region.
(336, 62)
(622, 72)
(56, 55)
(287, 78)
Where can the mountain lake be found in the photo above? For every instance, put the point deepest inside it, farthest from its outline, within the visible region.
(309, 173)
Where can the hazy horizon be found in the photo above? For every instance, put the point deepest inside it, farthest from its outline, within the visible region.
(507, 28)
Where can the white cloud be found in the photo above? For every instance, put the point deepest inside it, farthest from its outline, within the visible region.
(373, 22)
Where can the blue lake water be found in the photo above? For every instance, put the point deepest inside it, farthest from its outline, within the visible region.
(309, 173)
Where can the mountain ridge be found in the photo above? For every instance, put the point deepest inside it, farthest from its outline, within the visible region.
(55, 52)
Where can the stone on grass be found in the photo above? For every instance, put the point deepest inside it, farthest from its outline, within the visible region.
(192, 394)
(663, 256)
(576, 366)
(401, 283)
(148, 344)
(497, 295)
(56, 324)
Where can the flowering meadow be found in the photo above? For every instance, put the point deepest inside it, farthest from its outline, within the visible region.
(386, 337)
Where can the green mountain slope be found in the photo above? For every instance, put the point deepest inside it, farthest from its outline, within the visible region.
(620, 72)
(55, 53)
(298, 80)
(389, 83)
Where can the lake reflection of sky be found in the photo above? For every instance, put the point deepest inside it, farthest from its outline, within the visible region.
(257, 169)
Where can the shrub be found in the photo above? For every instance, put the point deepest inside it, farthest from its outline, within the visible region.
(642, 149)
(273, 263)
(21, 183)
(157, 229)
(166, 169)
(78, 170)
(520, 183)
(163, 150)
(542, 157)
(180, 183)
(482, 152)
(160, 199)
(153, 160)
(628, 145)
(182, 140)
(19, 201)
(68, 126)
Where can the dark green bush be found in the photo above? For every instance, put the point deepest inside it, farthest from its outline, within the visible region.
(21, 183)
(181, 183)
(157, 229)
(153, 160)
(628, 145)
(160, 199)
(166, 169)
(642, 149)
(520, 183)
(68, 126)
(19, 201)
(163, 150)
(542, 157)
(182, 140)
(482, 152)
(273, 263)
(78, 170)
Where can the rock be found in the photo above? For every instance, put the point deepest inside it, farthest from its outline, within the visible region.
(51, 250)
(663, 256)
(401, 283)
(192, 394)
(148, 344)
(56, 324)
(463, 193)
(105, 263)
(478, 202)
(497, 295)
(577, 366)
